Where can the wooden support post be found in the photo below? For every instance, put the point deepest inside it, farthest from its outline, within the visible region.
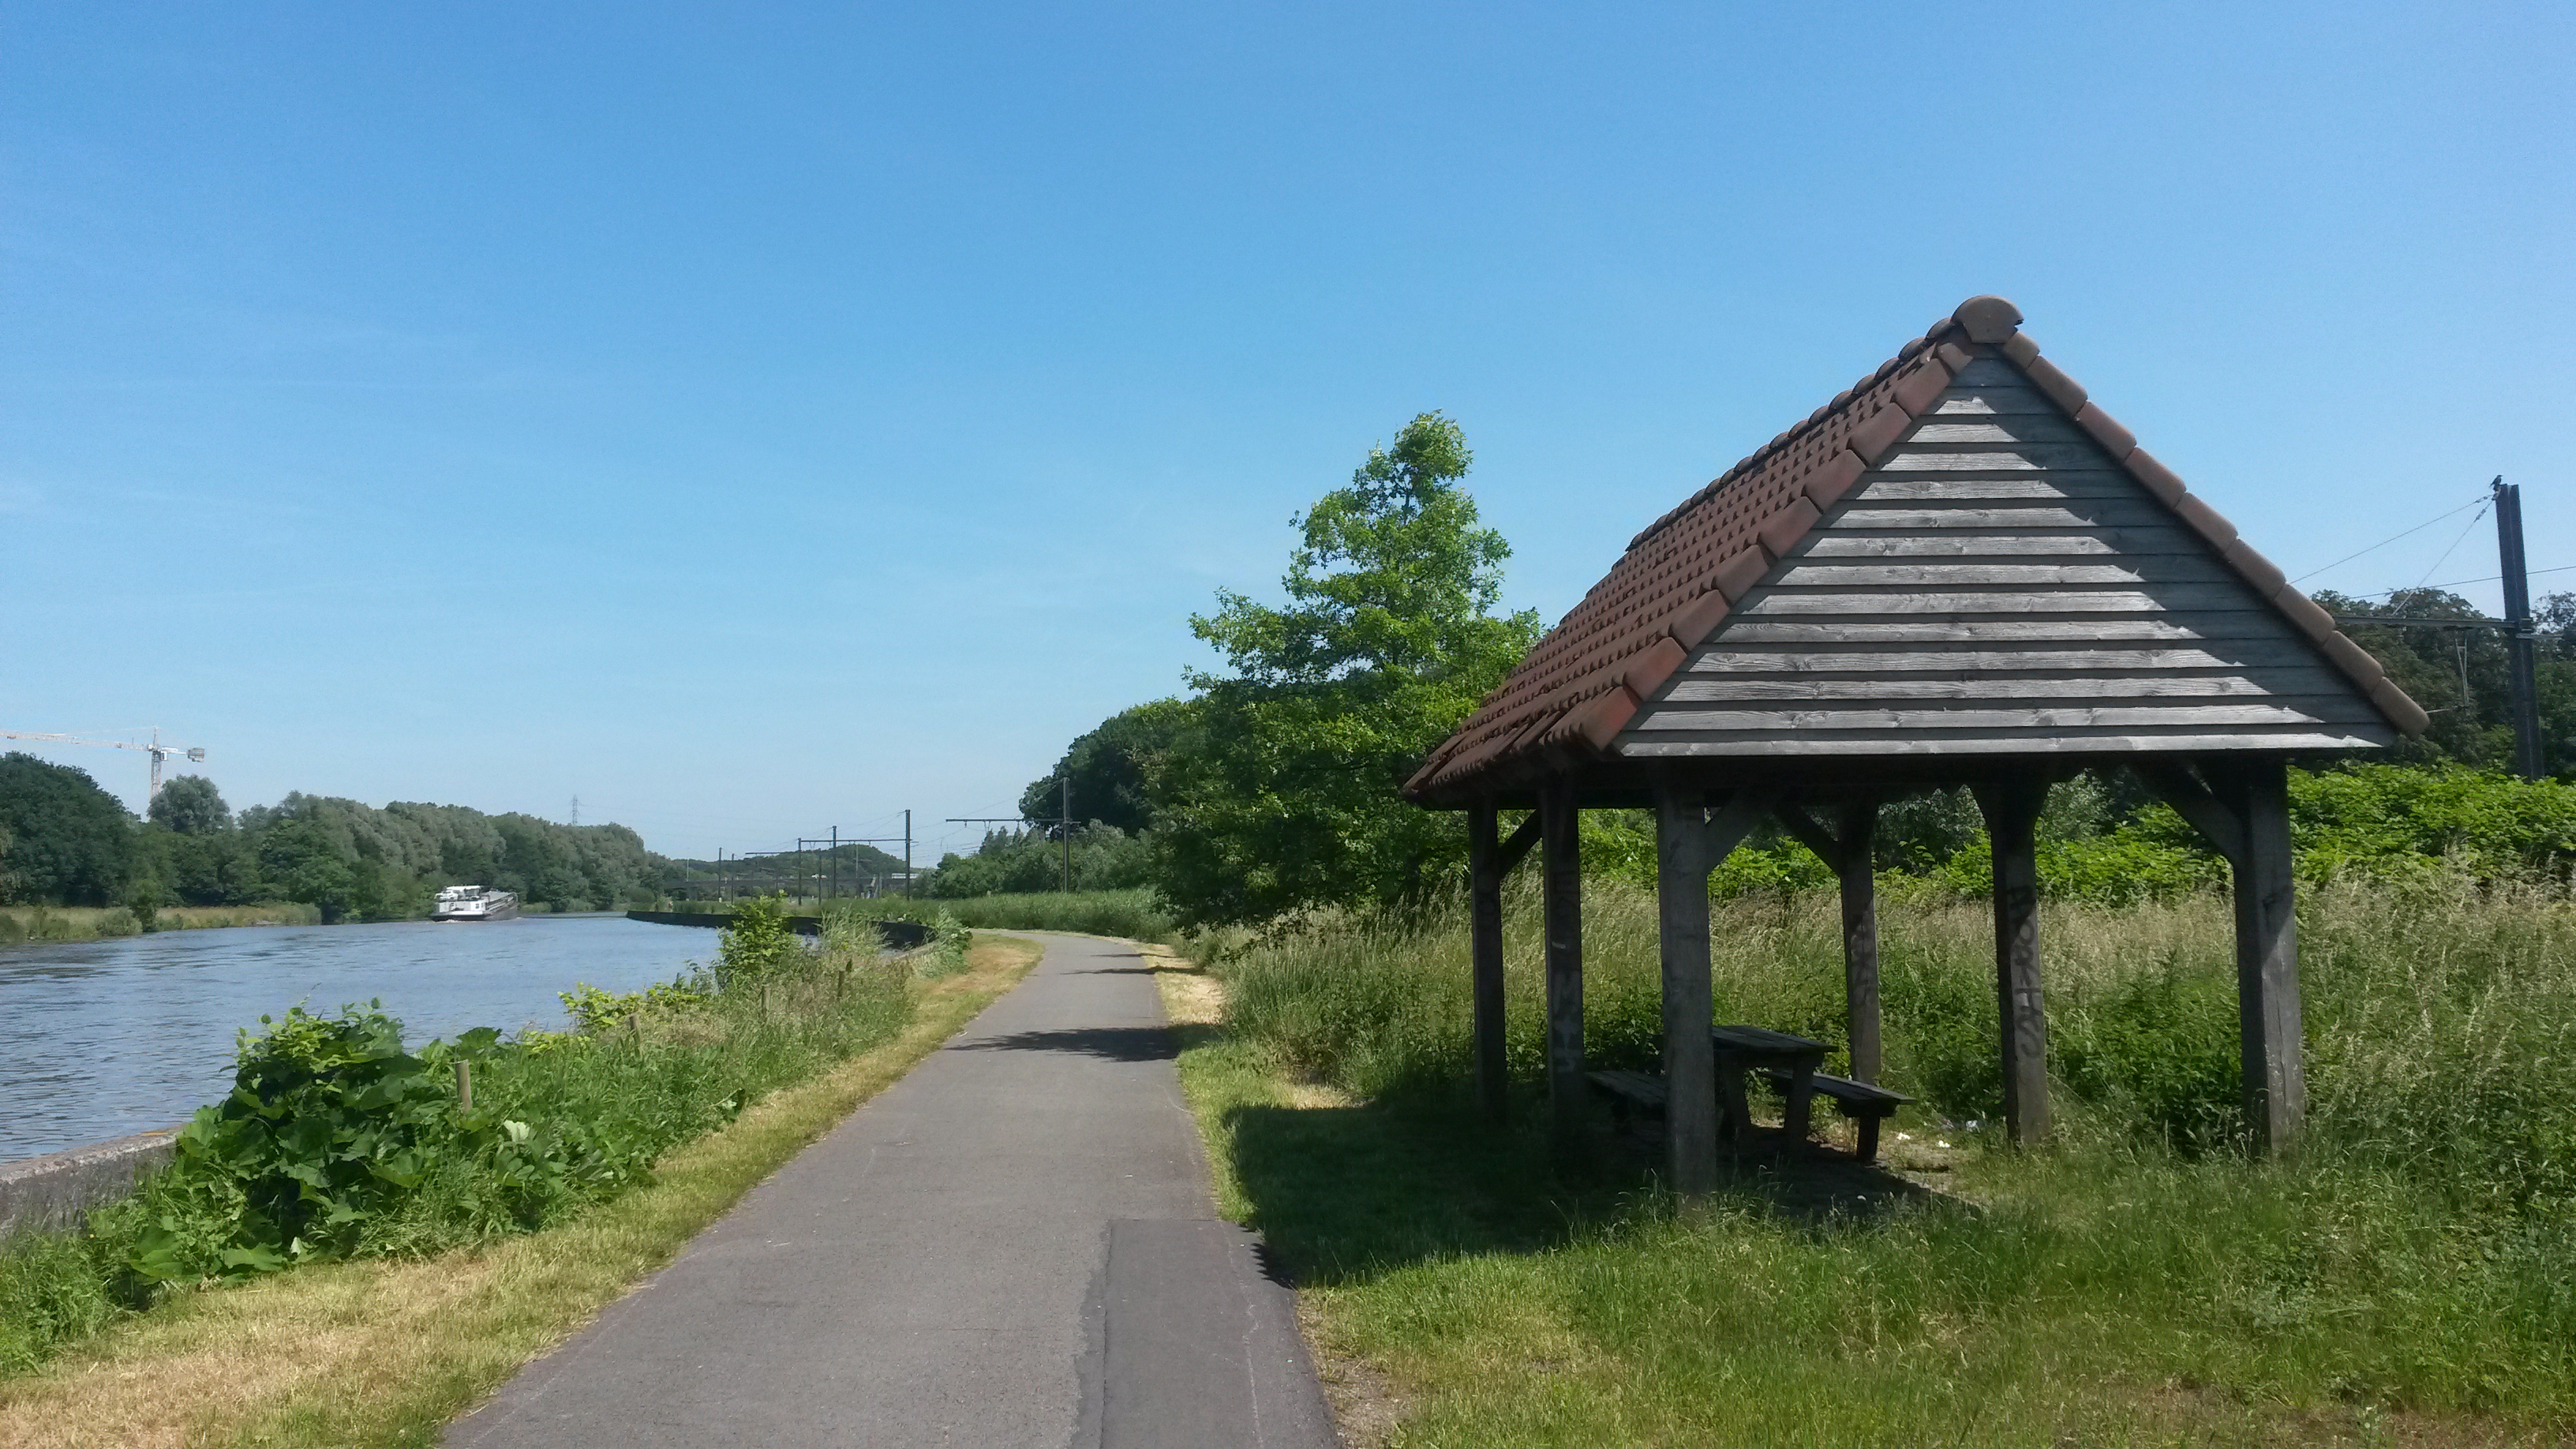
(2011, 808)
(1562, 863)
(2267, 955)
(1860, 935)
(1690, 1058)
(1485, 957)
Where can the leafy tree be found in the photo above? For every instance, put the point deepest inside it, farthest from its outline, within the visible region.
(1109, 769)
(190, 805)
(1105, 858)
(70, 842)
(1278, 790)
(299, 860)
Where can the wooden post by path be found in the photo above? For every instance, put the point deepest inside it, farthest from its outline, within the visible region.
(1690, 1059)
(2011, 808)
(1562, 864)
(1859, 825)
(2267, 955)
(1485, 957)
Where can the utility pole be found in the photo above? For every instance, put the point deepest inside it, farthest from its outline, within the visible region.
(836, 862)
(2518, 633)
(1066, 810)
(907, 855)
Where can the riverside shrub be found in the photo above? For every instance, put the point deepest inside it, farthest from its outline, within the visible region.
(337, 1141)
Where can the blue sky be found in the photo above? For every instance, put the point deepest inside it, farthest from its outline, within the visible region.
(755, 419)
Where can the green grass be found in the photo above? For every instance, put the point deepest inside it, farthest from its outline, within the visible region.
(388, 1350)
(597, 1107)
(1132, 914)
(2411, 1278)
(90, 923)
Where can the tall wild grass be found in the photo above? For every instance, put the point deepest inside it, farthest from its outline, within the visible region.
(2441, 1016)
(90, 923)
(2143, 1279)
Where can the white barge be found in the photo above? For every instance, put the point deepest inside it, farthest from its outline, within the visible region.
(474, 903)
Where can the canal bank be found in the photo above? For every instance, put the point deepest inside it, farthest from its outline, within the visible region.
(103, 1039)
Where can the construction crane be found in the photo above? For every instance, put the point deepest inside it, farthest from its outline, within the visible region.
(155, 749)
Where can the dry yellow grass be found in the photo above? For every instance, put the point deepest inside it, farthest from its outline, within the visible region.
(387, 1353)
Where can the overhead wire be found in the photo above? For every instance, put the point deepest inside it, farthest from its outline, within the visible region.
(2392, 538)
(2446, 553)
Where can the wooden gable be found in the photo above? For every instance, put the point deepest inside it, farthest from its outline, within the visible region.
(1997, 582)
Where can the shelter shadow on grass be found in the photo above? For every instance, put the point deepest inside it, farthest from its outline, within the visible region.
(1360, 1189)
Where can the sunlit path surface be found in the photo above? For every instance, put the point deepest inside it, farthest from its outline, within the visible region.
(1014, 1245)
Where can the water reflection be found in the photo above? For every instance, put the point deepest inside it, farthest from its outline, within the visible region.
(102, 1038)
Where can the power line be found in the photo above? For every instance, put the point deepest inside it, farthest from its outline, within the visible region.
(2455, 543)
(2477, 502)
(2456, 583)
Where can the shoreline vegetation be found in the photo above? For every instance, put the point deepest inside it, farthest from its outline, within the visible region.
(344, 1251)
(34, 923)
(2409, 1279)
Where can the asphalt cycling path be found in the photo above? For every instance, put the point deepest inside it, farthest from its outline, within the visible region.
(1014, 1245)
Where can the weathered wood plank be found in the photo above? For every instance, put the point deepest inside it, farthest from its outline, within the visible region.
(2089, 543)
(1690, 1059)
(1561, 865)
(1988, 372)
(2128, 569)
(2267, 956)
(2208, 626)
(2062, 483)
(1992, 400)
(1980, 686)
(2012, 811)
(1485, 958)
(2065, 514)
(2067, 602)
(1856, 873)
(2017, 458)
(2047, 427)
(2269, 656)
(2312, 710)
(1814, 743)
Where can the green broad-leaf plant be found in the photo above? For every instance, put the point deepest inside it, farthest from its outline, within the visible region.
(1280, 789)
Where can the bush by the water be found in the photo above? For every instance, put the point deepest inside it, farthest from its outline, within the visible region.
(337, 1141)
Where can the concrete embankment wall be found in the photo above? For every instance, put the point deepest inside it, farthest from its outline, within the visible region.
(55, 1190)
(899, 935)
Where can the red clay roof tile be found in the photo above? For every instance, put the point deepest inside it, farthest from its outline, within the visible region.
(2106, 430)
(2204, 520)
(2061, 389)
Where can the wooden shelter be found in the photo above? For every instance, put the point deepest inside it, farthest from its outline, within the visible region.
(1958, 572)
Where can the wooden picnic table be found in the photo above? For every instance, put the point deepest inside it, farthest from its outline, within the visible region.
(1743, 1049)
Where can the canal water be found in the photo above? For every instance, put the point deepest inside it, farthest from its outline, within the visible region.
(102, 1038)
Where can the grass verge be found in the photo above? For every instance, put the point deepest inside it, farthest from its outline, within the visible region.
(92, 923)
(378, 1352)
(1463, 1286)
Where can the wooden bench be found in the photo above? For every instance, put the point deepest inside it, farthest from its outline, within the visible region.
(1629, 1092)
(1867, 1104)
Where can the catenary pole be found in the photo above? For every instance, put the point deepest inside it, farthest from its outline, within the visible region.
(2518, 631)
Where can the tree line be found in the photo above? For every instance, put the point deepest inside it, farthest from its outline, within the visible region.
(65, 841)
(1271, 786)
